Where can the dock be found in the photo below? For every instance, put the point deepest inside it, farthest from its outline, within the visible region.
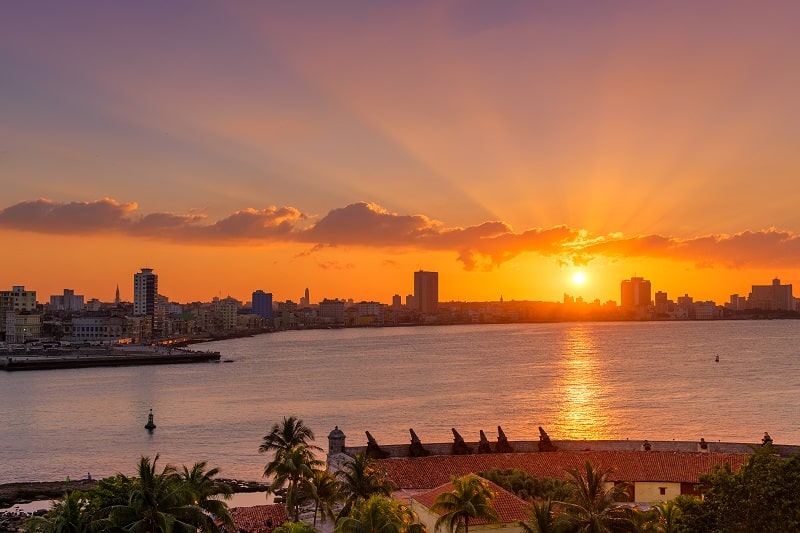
(105, 357)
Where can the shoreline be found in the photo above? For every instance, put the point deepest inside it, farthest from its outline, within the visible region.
(29, 491)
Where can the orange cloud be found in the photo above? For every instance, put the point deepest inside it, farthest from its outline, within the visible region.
(484, 246)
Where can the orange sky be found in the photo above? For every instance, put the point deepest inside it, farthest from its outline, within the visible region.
(341, 146)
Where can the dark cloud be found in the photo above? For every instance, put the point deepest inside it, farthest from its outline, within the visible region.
(44, 216)
(481, 247)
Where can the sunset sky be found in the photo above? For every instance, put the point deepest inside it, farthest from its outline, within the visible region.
(340, 146)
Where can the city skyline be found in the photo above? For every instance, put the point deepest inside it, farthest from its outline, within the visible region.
(635, 292)
(521, 150)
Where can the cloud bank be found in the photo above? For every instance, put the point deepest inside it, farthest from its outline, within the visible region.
(480, 247)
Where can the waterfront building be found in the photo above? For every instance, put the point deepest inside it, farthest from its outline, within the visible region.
(69, 301)
(22, 326)
(105, 329)
(426, 292)
(775, 297)
(262, 304)
(145, 292)
(397, 302)
(369, 313)
(705, 311)
(635, 292)
(17, 299)
(331, 311)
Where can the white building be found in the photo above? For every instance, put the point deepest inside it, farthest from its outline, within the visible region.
(145, 292)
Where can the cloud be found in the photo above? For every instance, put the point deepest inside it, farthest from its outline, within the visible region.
(483, 246)
(44, 216)
(763, 248)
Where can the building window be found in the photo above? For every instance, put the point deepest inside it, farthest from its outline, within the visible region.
(662, 490)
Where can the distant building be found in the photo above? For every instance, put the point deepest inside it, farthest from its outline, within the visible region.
(262, 304)
(397, 301)
(332, 311)
(305, 300)
(22, 326)
(775, 297)
(69, 301)
(15, 300)
(145, 292)
(426, 292)
(635, 292)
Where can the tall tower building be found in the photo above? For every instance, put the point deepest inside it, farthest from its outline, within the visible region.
(262, 304)
(116, 296)
(426, 292)
(145, 292)
(635, 293)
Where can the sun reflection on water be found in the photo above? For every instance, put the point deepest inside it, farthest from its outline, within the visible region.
(583, 407)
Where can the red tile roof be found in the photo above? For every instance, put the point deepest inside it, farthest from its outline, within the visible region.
(259, 518)
(631, 466)
(510, 508)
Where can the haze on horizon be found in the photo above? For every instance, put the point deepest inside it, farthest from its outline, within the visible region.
(343, 145)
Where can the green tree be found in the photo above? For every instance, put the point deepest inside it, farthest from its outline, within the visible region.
(545, 518)
(323, 490)
(764, 495)
(528, 487)
(156, 503)
(594, 508)
(70, 514)
(295, 527)
(470, 498)
(293, 467)
(665, 517)
(203, 490)
(286, 435)
(379, 514)
(359, 479)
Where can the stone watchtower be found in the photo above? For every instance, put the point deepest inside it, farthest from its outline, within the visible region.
(336, 441)
(336, 455)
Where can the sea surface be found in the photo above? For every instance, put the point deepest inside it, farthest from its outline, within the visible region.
(651, 380)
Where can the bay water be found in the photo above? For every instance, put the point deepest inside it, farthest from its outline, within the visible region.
(636, 380)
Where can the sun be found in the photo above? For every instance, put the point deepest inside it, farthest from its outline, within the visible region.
(579, 278)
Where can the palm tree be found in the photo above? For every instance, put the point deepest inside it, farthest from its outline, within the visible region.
(470, 498)
(666, 515)
(294, 466)
(323, 490)
(67, 515)
(292, 432)
(359, 479)
(204, 491)
(379, 514)
(156, 503)
(594, 507)
(543, 519)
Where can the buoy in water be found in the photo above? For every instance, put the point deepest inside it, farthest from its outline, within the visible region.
(150, 426)
(717, 359)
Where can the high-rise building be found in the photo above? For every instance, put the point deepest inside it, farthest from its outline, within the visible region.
(426, 292)
(771, 297)
(262, 304)
(305, 300)
(635, 293)
(145, 292)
